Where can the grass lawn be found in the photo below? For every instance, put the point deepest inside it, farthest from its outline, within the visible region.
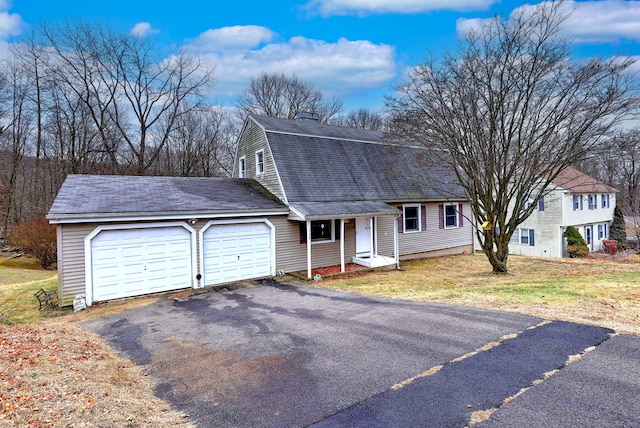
(20, 278)
(594, 290)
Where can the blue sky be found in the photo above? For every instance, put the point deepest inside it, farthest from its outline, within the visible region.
(353, 49)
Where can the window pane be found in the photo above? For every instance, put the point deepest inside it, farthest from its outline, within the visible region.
(411, 218)
(524, 236)
(321, 230)
(451, 216)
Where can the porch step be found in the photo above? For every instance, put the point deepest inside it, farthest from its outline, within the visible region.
(374, 262)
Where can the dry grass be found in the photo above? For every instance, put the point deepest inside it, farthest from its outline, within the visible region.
(65, 376)
(53, 373)
(598, 291)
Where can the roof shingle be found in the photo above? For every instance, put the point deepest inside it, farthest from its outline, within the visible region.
(100, 195)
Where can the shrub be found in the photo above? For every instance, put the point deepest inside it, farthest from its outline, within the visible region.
(610, 246)
(38, 238)
(618, 230)
(576, 245)
(577, 250)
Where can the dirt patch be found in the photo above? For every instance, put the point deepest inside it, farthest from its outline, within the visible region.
(223, 379)
(54, 376)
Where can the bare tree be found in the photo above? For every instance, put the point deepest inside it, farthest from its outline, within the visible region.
(362, 119)
(508, 112)
(14, 142)
(127, 89)
(201, 145)
(278, 95)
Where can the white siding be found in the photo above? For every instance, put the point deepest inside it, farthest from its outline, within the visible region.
(550, 224)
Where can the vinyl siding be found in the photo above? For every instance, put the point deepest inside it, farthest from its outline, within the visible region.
(385, 227)
(71, 261)
(434, 238)
(291, 255)
(251, 141)
(546, 224)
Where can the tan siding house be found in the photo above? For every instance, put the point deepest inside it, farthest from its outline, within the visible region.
(303, 195)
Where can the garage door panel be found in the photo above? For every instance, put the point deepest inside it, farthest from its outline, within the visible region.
(233, 252)
(133, 262)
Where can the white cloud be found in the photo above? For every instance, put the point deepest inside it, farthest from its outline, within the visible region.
(11, 24)
(338, 69)
(142, 29)
(364, 7)
(238, 37)
(604, 21)
(589, 22)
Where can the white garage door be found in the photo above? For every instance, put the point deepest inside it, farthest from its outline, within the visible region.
(232, 252)
(133, 262)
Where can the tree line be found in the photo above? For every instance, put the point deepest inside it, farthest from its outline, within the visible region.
(507, 111)
(80, 98)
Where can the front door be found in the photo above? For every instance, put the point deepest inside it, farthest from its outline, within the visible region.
(363, 237)
(588, 236)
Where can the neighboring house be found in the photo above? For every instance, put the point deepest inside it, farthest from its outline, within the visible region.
(305, 195)
(575, 199)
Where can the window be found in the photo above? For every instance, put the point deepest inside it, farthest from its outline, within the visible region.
(605, 201)
(577, 202)
(600, 232)
(411, 218)
(593, 202)
(450, 216)
(242, 167)
(321, 231)
(260, 162)
(526, 203)
(523, 237)
(541, 204)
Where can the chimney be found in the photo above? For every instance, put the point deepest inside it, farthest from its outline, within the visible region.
(308, 116)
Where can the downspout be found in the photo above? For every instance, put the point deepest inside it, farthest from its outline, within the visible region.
(308, 249)
(396, 249)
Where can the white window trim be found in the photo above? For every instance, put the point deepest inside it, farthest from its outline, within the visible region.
(457, 216)
(404, 218)
(242, 167)
(258, 172)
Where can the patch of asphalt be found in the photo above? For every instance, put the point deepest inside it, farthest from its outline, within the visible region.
(279, 355)
(599, 390)
(482, 381)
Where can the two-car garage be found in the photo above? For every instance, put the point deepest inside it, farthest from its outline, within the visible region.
(124, 236)
(134, 259)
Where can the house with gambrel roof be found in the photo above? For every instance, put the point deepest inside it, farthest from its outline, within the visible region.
(304, 195)
(353, 196)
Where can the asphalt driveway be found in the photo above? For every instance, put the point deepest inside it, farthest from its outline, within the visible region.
(283, 356)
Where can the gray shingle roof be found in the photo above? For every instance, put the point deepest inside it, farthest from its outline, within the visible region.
(95, 196)
(320, 210)
(324, 163)
(313, 128)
